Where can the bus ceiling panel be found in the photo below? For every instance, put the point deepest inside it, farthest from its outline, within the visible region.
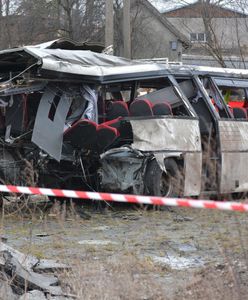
(188, 88)
(163, 95)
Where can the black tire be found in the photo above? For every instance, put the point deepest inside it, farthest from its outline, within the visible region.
(159, 183)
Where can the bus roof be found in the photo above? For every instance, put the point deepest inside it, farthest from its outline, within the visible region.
(88, 65)
(63, 64)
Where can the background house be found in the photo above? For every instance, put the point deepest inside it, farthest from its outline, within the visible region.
(214, 31)
(152, 35)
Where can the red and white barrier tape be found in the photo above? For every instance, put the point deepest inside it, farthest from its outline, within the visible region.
(161, 201)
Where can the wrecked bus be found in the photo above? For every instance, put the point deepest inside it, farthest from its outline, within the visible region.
(83, 120)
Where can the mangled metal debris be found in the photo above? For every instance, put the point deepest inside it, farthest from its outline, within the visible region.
(25, 273)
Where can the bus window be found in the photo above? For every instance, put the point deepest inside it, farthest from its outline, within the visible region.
(198, 103)
(234, 92)
(216, 98)
(114, 102)
(161, 91)
(234, 97)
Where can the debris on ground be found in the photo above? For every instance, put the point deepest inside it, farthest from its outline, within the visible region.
(27, 277)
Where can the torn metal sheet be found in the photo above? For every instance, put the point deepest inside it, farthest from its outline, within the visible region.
(17, 90)
(165, 143)
(160, 157)
(28, 278)
(49, 265)
(193, 172)
(22, 269)
(48, 131)
(122, 170)
(162, 135)
(28, 261)
(91, 65)
(33, 295)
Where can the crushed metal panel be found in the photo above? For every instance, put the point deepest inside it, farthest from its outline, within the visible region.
(160, 157)
(90, 63)
(48, 133)
(193, 167)
(170, 135)
(233, 135)
(122, 170)
(234, 155)
(234, 175)
(166, 134)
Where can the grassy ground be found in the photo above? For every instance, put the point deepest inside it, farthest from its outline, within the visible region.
(134, 253)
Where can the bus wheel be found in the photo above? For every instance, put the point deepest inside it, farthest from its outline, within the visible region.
(160, 183)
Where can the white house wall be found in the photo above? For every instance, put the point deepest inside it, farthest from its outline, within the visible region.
(227, 30)
(150, 38)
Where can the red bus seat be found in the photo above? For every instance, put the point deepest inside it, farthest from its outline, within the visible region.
(239, 113)
(141, 107)
(161, 109)
(82, 134)
(106, 136)
(117, 109)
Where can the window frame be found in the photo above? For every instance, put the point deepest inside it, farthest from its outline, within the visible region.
(197, 39)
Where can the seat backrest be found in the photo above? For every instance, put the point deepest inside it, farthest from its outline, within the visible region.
(160, 109)
(117, 109)
(239, 113)
(106, 135)
(124, 128)
(82, 134)
(141, 107)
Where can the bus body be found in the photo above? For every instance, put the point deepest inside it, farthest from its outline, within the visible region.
(84, 120)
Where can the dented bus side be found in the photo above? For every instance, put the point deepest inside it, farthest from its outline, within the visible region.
(81, 120)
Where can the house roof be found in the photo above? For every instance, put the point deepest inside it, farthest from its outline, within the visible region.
(163, 20)
(194, 10)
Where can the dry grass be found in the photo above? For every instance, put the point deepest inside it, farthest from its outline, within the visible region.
(213, 283)
(125, 269)
(127, 278)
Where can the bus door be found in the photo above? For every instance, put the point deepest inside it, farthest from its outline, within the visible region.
(233, 139)
(172, 136)
(208, 114)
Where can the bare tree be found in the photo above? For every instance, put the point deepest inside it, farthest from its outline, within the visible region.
(7, 8)
(220, 44)
(81, 19)
(35, 21)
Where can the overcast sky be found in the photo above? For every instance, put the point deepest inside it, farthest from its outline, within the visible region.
(164, 5)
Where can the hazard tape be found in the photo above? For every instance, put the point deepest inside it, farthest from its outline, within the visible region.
(110, 197)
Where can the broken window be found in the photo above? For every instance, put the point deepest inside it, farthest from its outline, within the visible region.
(215, 97)
(162, 91)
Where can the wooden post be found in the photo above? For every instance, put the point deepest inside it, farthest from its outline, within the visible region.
(126, 29)
(109, 23)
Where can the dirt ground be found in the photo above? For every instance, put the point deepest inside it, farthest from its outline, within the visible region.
(129, 252)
